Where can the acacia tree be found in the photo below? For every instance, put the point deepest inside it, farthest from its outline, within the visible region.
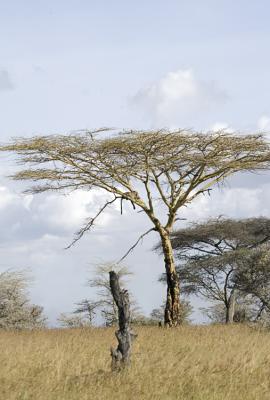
(211, 258)
(145, 168)
(87, 308)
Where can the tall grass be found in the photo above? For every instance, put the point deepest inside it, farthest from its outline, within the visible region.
(200, 363)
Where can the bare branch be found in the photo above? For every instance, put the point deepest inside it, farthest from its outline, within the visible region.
(135, 244)
(90, 223)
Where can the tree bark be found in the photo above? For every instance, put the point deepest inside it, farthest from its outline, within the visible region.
(125, 336)
(230, 308)
(172, 309)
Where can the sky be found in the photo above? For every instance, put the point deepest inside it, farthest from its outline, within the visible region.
(71, 65)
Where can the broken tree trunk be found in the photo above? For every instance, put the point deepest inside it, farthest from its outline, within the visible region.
(125, 336)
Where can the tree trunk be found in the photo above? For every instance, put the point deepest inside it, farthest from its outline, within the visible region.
(230, 308)
(172, 309)
(121, 355)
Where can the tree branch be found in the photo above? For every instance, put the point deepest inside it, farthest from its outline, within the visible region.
(135, 244)
(90, 223)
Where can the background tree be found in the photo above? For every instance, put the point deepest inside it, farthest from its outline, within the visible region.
(247, 309)
(87, 310)
(104, 305)
(253, 277)
(73, 320)
(146, 169)
(211, 253)
(16, 310)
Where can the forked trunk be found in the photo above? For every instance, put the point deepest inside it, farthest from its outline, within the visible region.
(172, 309)
(230, 308)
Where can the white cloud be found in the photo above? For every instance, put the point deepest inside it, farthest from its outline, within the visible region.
(6, 197)
(264, 123)
(27, 201)
(177, 97)
(230, 202)
(69, 212)
(27, 216)
(221, 126)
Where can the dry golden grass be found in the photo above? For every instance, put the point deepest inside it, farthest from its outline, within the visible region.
(200, 363)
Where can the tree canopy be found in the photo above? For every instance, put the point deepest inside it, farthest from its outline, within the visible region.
(175, 160)
(217, 235)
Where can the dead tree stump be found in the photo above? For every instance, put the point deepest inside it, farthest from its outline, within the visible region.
(121, 355)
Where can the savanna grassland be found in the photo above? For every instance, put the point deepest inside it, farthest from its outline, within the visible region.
(190, 362)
